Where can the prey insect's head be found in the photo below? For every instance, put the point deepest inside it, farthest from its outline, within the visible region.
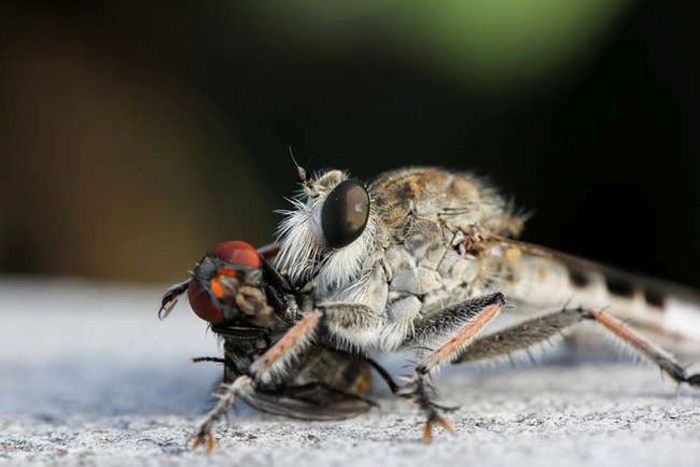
(218, 277)
(331, 226)
(225, 283)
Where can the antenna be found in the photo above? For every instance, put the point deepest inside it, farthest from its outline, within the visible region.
(300, 170)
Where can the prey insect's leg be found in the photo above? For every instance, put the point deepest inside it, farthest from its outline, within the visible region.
(391, 384)
(170, 298)
(228, 363)
(465, 321)
(272, 364)
(531, 332)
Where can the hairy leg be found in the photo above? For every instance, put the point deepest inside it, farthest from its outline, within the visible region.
(226, 397)
(520, 336)
(456, 328)
(270, 366)
(524, 335)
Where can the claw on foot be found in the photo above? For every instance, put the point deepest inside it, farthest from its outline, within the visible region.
(428, 432)
(693, 380)
(428, 428)
(205, 438)
(445, 423)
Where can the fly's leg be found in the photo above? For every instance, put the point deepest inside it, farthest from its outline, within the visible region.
(226, 397)
(170, 298)
(532, 332)
(461, 324)
(520, 336)
(384, 374)
(271, 365)
(422, 393)
(665, 361)
(349, 317)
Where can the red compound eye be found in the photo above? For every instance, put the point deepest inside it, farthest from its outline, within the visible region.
(240, 253)
(235, 252)
(201, 303)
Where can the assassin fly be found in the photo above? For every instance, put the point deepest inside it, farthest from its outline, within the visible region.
(420, 259)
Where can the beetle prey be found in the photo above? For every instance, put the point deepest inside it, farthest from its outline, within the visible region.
(424, 259)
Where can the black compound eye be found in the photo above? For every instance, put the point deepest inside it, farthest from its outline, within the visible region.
(345, 212)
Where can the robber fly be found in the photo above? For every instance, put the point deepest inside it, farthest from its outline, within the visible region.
(424, 259)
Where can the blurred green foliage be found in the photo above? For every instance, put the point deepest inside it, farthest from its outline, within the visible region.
(483, 42)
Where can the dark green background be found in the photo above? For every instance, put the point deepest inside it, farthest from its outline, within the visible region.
(135, 137)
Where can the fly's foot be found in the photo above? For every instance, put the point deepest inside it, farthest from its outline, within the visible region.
(226, 397)
(421, 393)
(441, 420)
(205, 437)
(693, 380)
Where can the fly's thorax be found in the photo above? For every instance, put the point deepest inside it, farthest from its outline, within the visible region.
(440, 196)
(428, 274)
(432, 216)
(413, 217)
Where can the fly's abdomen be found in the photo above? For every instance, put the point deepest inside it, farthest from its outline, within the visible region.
(540, 279)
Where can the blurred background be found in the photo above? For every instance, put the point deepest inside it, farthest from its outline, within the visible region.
(135, 137)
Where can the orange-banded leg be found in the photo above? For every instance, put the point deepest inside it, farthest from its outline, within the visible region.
(271, 365)
(529, 333)
(461, 324)
(226, 397)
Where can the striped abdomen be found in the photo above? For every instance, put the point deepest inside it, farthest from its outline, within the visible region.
(539, 278)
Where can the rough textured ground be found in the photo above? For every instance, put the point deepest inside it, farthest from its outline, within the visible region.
(90, 376)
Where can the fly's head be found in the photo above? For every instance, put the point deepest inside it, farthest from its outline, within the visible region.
(229, 284)
(331, 232)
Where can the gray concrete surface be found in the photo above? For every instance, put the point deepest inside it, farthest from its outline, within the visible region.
(89, 376)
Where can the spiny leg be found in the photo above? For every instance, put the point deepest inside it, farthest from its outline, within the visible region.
(345, 320)
(665, 361)
(464, 322)
(520, 336)
(272, 364)
(275, 361)
(419, 390)
(226, 397)
(524, 335)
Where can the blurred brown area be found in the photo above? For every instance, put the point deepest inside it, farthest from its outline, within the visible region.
(134, 137)
(105, 162)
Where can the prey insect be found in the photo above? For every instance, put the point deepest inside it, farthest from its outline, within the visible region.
(256, 313)
(424, 260)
